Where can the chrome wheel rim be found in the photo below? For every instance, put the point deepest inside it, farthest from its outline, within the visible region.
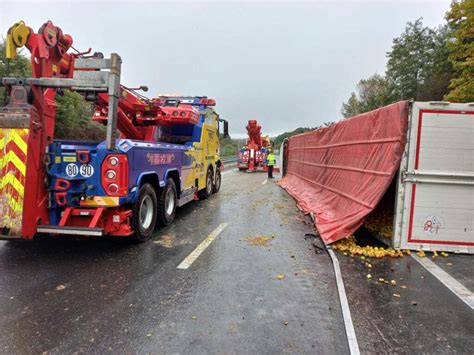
(209, 184)
(169, 202)
(218, 181)
(146, 212)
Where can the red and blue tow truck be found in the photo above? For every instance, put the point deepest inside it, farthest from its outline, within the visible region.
(159, 153)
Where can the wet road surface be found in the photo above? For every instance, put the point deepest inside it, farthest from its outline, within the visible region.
(259, 287)
(416, 315)
(94, 295)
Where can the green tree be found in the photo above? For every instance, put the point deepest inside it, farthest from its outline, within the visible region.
(230, 146)
(435, 84)
(410, 60)
(280, 138)
(461, 21)
(418, 66)
(352, 107)
(73, 118)
(372, 93)
(18, 67)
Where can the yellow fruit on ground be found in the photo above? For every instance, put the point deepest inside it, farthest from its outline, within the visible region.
(349, 245)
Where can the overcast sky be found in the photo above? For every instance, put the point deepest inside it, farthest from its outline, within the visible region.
(284, 64)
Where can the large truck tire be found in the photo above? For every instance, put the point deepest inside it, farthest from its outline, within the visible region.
(217, 181)
(144, 213)
(167, 203)
(207, 191)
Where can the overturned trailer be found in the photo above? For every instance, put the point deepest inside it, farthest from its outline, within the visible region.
(413, 161)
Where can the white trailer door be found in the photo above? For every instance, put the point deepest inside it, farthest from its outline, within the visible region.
(435, 207)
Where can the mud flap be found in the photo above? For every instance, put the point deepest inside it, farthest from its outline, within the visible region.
(13, 154)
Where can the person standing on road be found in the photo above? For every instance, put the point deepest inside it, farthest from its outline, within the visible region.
(271, 160)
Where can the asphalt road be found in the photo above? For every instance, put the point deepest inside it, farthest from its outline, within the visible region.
(67, 295)
(417, 314)
(259, 287)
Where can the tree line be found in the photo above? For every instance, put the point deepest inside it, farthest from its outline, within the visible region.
(424, 64)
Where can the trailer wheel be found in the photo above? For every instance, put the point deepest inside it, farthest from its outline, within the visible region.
(167, 203)
(217, 182)
(144, 213)
(206, 192)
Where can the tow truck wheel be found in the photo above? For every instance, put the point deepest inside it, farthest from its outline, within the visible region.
(206, 192)
(167, 203)
(144, 213)
(217, 182)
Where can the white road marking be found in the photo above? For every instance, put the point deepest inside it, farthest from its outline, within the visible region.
(228, 171)
(191, 258)
(447, 280)
(346, 311)
(264, 181)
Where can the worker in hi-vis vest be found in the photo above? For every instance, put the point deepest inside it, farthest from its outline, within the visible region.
(271, 160)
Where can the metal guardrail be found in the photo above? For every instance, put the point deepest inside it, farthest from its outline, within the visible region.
(232, 159)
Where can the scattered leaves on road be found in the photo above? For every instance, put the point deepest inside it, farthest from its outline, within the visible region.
(166, 241)
(258, 240)
(280, 276)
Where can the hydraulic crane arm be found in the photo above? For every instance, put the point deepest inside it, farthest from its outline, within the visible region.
(119, 107)
(254, 132)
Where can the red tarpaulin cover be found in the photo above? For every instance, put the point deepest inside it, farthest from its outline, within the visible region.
(341, 172)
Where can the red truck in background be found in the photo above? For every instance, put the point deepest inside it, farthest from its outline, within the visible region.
(253, 156)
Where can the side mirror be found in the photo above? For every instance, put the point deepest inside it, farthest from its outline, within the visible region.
(226, 129)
